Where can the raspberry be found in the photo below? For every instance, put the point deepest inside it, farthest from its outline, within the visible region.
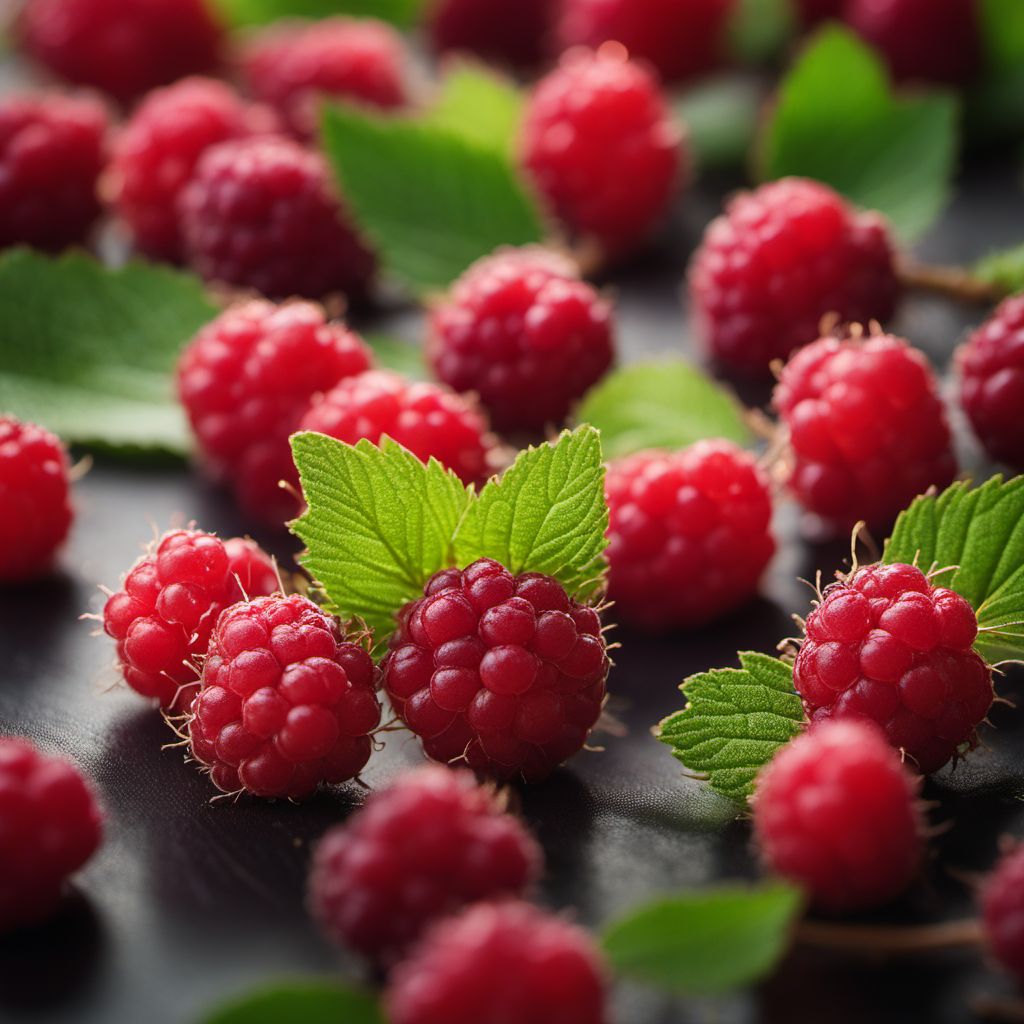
(811, 12)
(1002, 904)
(591, 105)
(52, 150)
(503, 672)
(163, 616)
(35, 503)
(867, 428)
(521, 330)
(837, 813)
(778, 260)
(285, 702)
(423, 848)
(689, 535)
(50, 825)
(262, 213)
(245, 381)
(510, 32)
(501, 962)
(886, 645)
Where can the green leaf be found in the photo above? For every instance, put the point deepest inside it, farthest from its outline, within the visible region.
(89, 352)
(304, 1002)
(480, 105)
(1003, 270)
(837, 120)
(404, 357)
(995, 108)
(260, 12)
(1002, 28)
(661, 405)
(706, 942)
(760, 29)
(734, 722)
(720, 116)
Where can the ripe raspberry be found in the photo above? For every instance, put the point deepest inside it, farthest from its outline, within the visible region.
(837, 813)
(35, 500)
(521, 330)
(867, 428)
(1002, 904)
(163, 616)
(262, 213)
(690, 534)
(887, 645)
(510, 32)
(778, 260)
(811, 12)
(50, 826)
(423, 848)
(245, 381)
(501, 962)
(285, 703)
(503, 672)
(591, 105)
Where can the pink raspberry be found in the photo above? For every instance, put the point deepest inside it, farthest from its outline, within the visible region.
(505, 673)
(500, 962)
(35, 499)
(428, 845)
(247, 379)
(510, 32)
(591, 105)
(163, 616)
(285, 702)
(50, 825)
(837, 813)
(780, 259)
(690, 534)
(1002, 905)
(521, 330)
(886, 645)
(867, 428)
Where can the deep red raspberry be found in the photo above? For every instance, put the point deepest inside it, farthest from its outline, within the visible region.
(867, 428)
(247, 379)
(689, 535)
(263, 213)
(50, 825)
(163, 616)
(35, 499)
(887, 645)
(1002, 904)
(500, 962)
(285, 704)
(813, 11)
(505, 673)
(510, 32)
(591, 105)
(521, 330)
(778, 260)
(837, 813)
(428, 845)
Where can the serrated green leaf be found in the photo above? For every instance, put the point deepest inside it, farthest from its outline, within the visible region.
(305, 1002)
(479, 104)
(239, 13)
(404, 357)
(734, 722)
(1003, 270)
(720, 116)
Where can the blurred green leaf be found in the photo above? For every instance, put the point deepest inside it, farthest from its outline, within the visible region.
(404, 357)
(721, 116)
(479, 104)
(1004, 270)
(260, 12)
(996, 103)
(302, 1002)
(760, 29)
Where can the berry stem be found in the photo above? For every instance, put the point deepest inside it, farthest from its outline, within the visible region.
(953, 282)
(890, 940)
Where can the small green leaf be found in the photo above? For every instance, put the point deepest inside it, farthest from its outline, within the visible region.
(479, 104)
(404, 357)
(720, 116)
(239, 13)
(734, 722)
(760, 29)
(1003, 270)
(304, 1002)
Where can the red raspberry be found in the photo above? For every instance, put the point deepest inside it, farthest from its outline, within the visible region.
(691, 527)
(886, 645)
(262, 213)
(503, 672)
(426, 846)
(837, 813)
(285, 704)
(778, 260)
(501, 962)
(867, 428)
(163, 616)
(245, 381)
(811, 12)
(50, 825)
(521, 330)
(511, 32)
(35, 499)
(591, 105)
(1002, 904)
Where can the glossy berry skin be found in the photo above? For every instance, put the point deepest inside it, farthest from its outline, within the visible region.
(867, 428)
(1002, 906)
(163, 615)
(35, 500)
(591, 105)
(888, 646)
(780, 259)
(521, 330)
(689, 534)
(501, 962)
(431, 843)
(285, 703)
(836, 812)
(509, 32)
(503, 673)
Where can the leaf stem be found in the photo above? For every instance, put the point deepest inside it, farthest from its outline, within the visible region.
(890, 940)
(954, 282)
